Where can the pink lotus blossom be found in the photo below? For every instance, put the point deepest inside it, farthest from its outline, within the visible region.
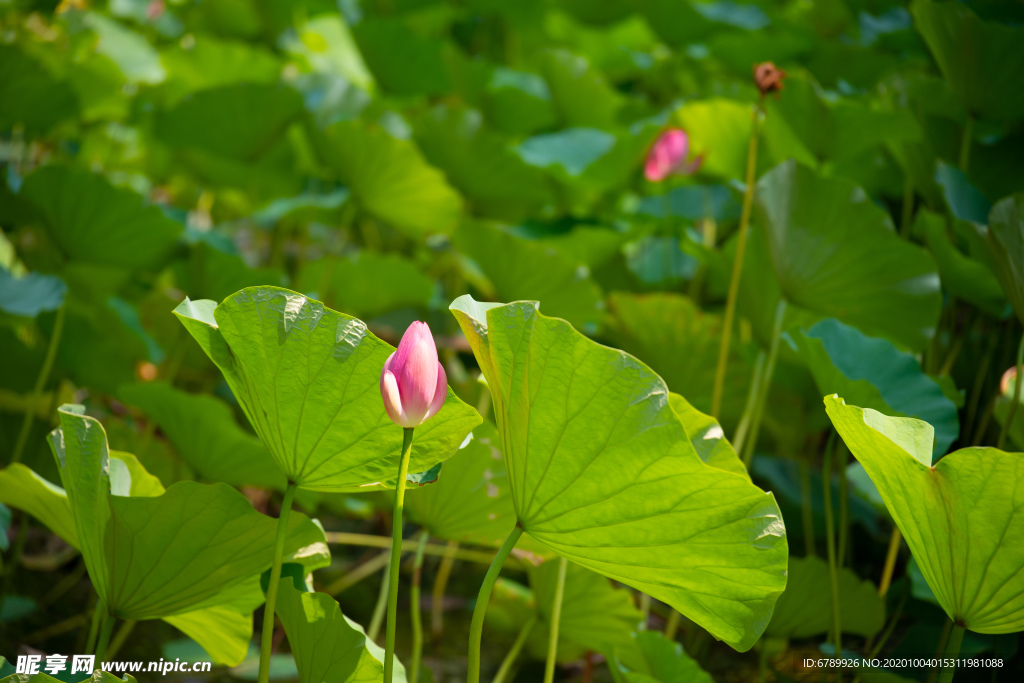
(667, 156)
(413, 382)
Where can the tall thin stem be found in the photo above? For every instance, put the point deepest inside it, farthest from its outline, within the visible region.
(444, 571)
(737, 266)
(396, 554)
(41, 379)
(517, 647)
(104, 639)
(890, 561)
(842, 455)
(956, 638)
(476, 627)
(556, 618)
(377, 620)
(766, 383)
(833, 569)
(672, 624)
(120, 637)
(99, 612)
(267, 641)
(414, 610)
(739, 439)
(1012, 412)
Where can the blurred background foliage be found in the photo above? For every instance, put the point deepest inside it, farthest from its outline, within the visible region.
(388, 156)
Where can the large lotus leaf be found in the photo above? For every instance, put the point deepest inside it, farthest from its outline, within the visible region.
(719, 130)
(220, 630)
(580, 93)
(327, 46)
(390, 179)
(481, 164)
(328, 646)
(602, 472)
(834, 252)
(655, 659)
(212, 63)
(963, 276)
(205, 434)
(137, 60)
(471, 501)
(403, 62)
(873, 373)
(368, 284)
(961, 517)
(982, 61)
(520, 269)
(31, 96)
(680, 342)
(308, 379)
(25, 490)
(211, 273)
(192, 547)
(805, 609)
(31, 294)
(707, 438)
(92, 221)
(804, 124)
(595, 615)
(1006, 241)
(518, 102)
(569, 153)
(219, 120)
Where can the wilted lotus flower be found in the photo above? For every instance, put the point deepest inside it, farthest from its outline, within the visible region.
(768, 78)
(413, 382)
(668, 156)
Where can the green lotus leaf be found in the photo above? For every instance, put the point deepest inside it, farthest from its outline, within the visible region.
(655, 659)
(212, 63)
(211, 273)
(381, 170)
(873, 373)
(136, 59)
(481, 164)
(680, 342)
(327, 645)
(326, 44)
(30, 294)
(960, 517)
(518, 102)
(205, 434)
(982, 61)
(596, 615)
(91, 221)
(32, 96)
(602, 472)
(368, 284)
(834, 252)
(719, 129)
(404, 62)
(707, 438)
(223, 632)
(963, 276)
(581, 95)
(805, 609)
(1005, 238)
(471, 501)
(191, 547)
(308, 379)
(520, 269)
(25, 490)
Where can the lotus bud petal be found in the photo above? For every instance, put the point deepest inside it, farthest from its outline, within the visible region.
(412, 382)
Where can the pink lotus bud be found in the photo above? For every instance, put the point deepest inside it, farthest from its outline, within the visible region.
(413, 382)
(667, 156)
(1008, 382)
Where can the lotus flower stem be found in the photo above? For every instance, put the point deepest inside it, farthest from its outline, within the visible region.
(844, 502)
(414, 609)
(351, 578)
(122, 635)
(740, 438)
(444, 571)
(893, 620)
(556, 618)
(517, 647)
(737, 266)
(645, 609)
(833, 569)
(766, 383)
(41, 379)
(98, 613)
(267, 641)
(382, 602)
(1012, 412)
(374, 541)
(890, 561)
(476, 627)
(396, 555)
(672, 624)
(104, 639)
